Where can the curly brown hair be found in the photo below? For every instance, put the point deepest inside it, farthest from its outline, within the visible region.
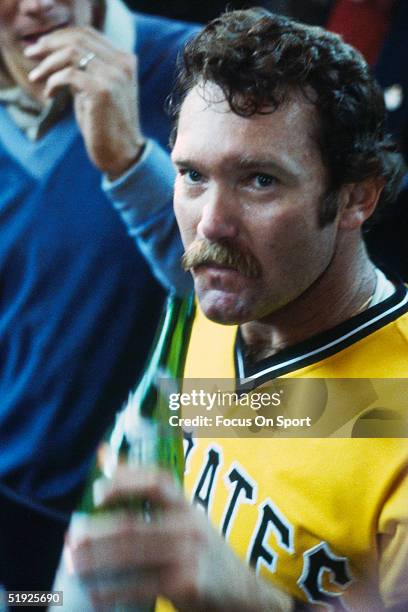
(257, 58)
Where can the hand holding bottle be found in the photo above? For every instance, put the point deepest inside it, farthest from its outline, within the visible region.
(177, 554)
(141, 437)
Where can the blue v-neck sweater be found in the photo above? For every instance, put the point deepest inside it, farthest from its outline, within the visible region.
(78, 303)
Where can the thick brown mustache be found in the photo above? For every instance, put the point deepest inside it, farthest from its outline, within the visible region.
(203, 251)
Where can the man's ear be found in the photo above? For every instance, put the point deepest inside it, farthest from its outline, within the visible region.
(358, 202)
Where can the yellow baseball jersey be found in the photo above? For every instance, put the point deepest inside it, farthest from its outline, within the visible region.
(325, 519)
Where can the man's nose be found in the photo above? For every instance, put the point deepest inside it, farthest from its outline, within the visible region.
(219, 216)
(33, 7)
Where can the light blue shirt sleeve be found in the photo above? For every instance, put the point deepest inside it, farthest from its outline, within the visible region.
(143, 198)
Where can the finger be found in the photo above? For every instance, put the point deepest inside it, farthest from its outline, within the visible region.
(56, 61)
(77, 35)
(77, 81)
(136, 589)
(153, 485)
(77, 43)
(128, 542)
(76, 39)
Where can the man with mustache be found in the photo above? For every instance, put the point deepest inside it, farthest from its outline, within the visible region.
(79, 304)
(281, 156)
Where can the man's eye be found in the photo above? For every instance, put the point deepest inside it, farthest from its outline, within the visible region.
(263, 180)
(191, 176)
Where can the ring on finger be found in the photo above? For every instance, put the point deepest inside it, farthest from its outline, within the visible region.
(85, 60)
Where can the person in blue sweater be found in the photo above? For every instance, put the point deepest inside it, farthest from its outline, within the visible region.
(80, 135)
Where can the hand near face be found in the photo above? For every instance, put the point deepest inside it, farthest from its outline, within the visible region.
(104, 92)
(177, 554)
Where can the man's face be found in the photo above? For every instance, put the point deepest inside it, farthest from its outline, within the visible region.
(253, 185)
(23, 22)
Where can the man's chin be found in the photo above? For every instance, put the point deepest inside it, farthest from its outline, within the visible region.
(223, 307)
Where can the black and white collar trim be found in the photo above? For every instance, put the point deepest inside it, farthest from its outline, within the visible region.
(322, 345)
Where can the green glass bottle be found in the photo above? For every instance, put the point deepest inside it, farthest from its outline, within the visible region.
(142, 434)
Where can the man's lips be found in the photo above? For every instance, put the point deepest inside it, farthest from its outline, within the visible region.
(32, 36)
(215, 266)
(220, 271)
(212, 276)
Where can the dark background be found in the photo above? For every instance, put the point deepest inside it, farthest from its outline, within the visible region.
(313, 11)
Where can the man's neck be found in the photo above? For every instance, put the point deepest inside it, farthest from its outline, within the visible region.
(338, 294)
